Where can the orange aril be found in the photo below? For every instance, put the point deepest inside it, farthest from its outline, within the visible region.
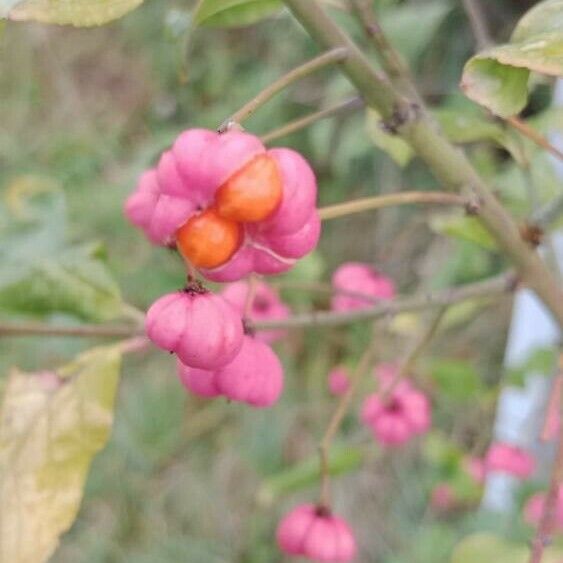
(208, 240)
(252, 193)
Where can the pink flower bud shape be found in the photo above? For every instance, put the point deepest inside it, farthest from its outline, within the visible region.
(506, 458)
(254, 376)
(200, 382)
(203, 329)
(404, 414)
(338, 381)
(266, 305)
(315, 533)
(362, 279)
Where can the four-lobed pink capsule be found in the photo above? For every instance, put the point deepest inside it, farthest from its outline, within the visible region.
(315, 533)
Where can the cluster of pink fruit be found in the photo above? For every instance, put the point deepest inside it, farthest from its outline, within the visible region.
(232, 208)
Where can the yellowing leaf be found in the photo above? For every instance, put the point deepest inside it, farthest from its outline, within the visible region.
(498, 77)
(50, 429)
(80, 13)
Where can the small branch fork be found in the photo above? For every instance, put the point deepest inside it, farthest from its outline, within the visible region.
(326, 59)
(487, 289)
(545, 528)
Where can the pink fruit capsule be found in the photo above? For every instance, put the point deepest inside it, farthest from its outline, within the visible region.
(254, 376)
(203, 329)
(396, 419)
(316, 534)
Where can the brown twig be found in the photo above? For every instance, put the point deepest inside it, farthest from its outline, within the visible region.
(336, 419)
(474, 12)
(553, 408)
(534, 136)
(392, 62)
(328, 58)
(389, 200)
(411, 357)
(81, 331)
(341, 108)
(487, 289)
(542, 537)
(249, 300)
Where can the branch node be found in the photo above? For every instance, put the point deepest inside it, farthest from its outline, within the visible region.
(229, 125)
(532, 234)
(403, 113)
(473, 207)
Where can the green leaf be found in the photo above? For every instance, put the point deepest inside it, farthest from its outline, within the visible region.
(498, 77)
(232, 13)
(41, 274)
(50, 429)
(76, 282)
(80, 13)
(464, 228)
(393, 145)
(456, 379)
(469, 127)
(343, 459)
(484, 546)
(540, 361)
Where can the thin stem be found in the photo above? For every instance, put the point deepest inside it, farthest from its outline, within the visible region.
(329, 58)
(553, 408)
(338, 415)
(249, 300)
(400, 198)
(347, 106)
(549, 213)
(391, 60)
(413, 355)
(486, 289)
(133, 345)
(85, 331)
(534, 136)
(326, 288)
(448, 163)
(545, 527)
(131, 312)
(476, 18)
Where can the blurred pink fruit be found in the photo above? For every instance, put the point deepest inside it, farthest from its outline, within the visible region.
(316, 534)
